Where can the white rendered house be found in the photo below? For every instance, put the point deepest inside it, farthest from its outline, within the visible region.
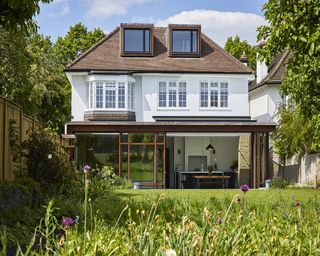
(165, 106)
(264, 91)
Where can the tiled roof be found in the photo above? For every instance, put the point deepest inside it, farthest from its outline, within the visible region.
(105, 56)
(275, 71)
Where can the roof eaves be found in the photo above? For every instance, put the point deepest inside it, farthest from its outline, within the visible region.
(264, 82)
(155, 71)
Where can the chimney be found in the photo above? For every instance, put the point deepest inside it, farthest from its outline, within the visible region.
(262, 69)
(243, 59)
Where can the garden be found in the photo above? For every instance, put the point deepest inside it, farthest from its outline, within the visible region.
(93, 212)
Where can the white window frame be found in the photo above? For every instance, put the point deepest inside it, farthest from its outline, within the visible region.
(170, 93)
(128, 96)
(210, 89)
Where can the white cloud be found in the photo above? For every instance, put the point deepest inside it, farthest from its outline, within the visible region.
(103, 9)
(220, 25)
(62, 6)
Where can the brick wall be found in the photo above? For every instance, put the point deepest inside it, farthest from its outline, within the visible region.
(244, 160)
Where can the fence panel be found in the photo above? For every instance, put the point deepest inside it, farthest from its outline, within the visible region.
(12, 117)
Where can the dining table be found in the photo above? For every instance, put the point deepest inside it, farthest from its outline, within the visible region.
(206, 179)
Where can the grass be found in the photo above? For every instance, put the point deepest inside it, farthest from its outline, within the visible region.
(202, 195)
(188, 222)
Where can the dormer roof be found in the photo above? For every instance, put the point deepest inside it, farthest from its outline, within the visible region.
(106, 56)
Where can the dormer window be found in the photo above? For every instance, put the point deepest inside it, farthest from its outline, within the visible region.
(184, 40)
(136, 40)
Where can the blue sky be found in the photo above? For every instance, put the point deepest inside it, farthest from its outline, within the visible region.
(219, 18)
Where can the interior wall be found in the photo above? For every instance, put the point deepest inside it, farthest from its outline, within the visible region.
(226, 150)
(179, 159)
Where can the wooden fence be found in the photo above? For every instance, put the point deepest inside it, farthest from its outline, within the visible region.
(11, 113)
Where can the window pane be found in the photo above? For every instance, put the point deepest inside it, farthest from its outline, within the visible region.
(159, 163)
(91, 95)
(184, 41)
(110, 95)
(99, 95)
(131, 95)
(141, 137)
(147, 40)
(172, 94)
(87, 95)
(224, 95)
(136, 40)
(195, 41)
(204, 94)
(98, 150)
(162, 94)
(121, 95)
(124, 151)
(141, 162)
(214, 95)
(182, 94)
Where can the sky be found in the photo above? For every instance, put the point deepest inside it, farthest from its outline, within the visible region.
(220, 19)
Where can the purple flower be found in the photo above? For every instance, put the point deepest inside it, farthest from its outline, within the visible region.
(244, 188)
(219, 221)
(297, 205)
(86, 168)
(67, 222)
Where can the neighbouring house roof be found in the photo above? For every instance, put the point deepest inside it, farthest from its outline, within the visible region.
(275, 71)
(106, 56)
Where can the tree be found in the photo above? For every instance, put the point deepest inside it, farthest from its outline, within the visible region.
(49, 90)
(77, 40)
(18, 14)
(14, 67)
(32, 71)
(295, 25)
(236, 48)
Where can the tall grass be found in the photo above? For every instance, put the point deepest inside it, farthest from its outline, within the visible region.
(181, 227)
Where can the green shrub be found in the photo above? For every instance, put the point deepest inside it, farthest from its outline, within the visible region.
(20, 203)
(46, 161)
(279, 182)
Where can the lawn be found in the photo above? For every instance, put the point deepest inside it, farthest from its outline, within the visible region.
(198, 195)
(183, 222)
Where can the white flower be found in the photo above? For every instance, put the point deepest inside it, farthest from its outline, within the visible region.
(171, 252)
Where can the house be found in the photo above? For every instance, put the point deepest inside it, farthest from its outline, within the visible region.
(166, 106)
(264, 91)
(265, 99)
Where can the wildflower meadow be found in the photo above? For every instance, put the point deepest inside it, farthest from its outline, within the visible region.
(93, 220)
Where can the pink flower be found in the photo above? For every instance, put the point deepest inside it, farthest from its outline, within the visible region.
(86, 168)
(67, 221)
(244, 188)
(297, 205)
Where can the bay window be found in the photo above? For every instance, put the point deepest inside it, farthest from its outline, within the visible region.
(172, 94)
(214, 95)
(110, 95)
